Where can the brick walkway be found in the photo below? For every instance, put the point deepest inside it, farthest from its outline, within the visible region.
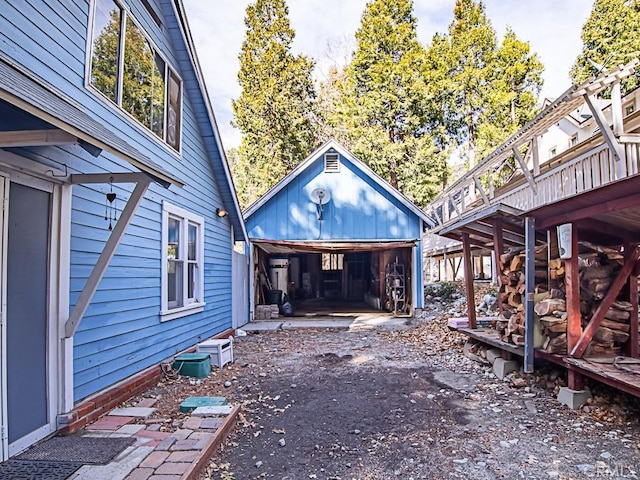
(157, 455)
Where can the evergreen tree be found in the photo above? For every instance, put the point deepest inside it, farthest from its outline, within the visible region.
(481, 92)
(610, 37)
(516, 81)
(472, 45)
(381, 109)
(274, 111)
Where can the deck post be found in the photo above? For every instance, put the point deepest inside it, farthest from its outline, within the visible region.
(529, 316)
(468, 280)
(631, 348)
(574, 317)
(498, 249)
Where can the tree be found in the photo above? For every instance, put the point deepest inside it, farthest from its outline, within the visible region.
(470, 57)
(516, 81)
(381, 106)
(274, 111)
(480, 92)
(610, 37)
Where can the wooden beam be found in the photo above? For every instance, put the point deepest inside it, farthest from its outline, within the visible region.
(616, 108)
(468, 280)
(606, 228)
(530, 271)
(608, 136)
(498, 250)
(478, 184)
(629, 138)
(36, 138)
(87, 178)
(525, 170)
(621, 279)
(455, 207)
(592, 210)
(105, 257)
(535, 151)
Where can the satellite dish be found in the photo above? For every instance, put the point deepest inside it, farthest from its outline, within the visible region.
(320, 196)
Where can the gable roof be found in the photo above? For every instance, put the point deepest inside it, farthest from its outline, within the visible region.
(333, 144)
(207, 121)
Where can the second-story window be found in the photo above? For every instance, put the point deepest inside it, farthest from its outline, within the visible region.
(129, 71)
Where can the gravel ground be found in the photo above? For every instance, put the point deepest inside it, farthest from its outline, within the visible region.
(407, 404)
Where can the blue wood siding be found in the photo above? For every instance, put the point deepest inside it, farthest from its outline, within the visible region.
(121, 332)
(359, 209)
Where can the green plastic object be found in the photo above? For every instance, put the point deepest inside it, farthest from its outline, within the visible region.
(192, 403)
(193, 364)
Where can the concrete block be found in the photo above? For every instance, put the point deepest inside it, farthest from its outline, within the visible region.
(138, 412)
(502, 367)
(573, 399)
(493, 354)
(212, 411)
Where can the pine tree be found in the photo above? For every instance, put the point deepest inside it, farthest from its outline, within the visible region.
(516, 81)
(610, 37)
(275, 109)
(381, 109)
(481, 92)
(472, 44)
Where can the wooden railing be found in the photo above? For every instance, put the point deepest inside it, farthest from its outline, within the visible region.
(562, 179)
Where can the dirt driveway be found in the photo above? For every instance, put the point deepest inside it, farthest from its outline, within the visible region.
(406, 404)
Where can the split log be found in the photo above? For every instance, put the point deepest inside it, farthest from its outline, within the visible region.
(517, 263)
(623, 327)
(598, 285)
(608, 335)
(621, 305)
(605, 271)
(556, 263)
(558, 345)
(553, 324)
(550, 305)
(617, 315)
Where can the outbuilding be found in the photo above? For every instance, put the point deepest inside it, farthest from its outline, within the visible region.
(334, 230)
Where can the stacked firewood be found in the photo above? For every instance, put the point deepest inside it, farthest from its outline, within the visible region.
(510, 324)
(598, 267)
(553, 322)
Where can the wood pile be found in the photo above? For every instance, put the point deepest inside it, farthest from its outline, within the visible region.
(597, 268)
(510, 323)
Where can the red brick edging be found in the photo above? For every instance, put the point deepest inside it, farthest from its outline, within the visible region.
(92, 408)
(215, 442)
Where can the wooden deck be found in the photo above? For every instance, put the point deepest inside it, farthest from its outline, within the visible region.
(606, 373)
(490, 336)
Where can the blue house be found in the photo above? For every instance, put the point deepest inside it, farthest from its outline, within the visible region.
(119, 213)
(332, 228)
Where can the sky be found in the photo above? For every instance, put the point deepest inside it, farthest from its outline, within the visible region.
(325, 31)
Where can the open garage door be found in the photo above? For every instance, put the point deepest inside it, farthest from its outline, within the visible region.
(335, 275)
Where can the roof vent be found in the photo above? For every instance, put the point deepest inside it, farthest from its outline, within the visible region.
(331, 162)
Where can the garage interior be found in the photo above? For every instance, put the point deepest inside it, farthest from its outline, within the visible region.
(328, 278)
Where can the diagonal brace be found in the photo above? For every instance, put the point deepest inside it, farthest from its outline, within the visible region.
(525, 170)
(105, 257)
(615, 288)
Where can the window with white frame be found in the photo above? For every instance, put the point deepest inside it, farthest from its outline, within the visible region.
(128, 70)
(182, 262)
(573, 140)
